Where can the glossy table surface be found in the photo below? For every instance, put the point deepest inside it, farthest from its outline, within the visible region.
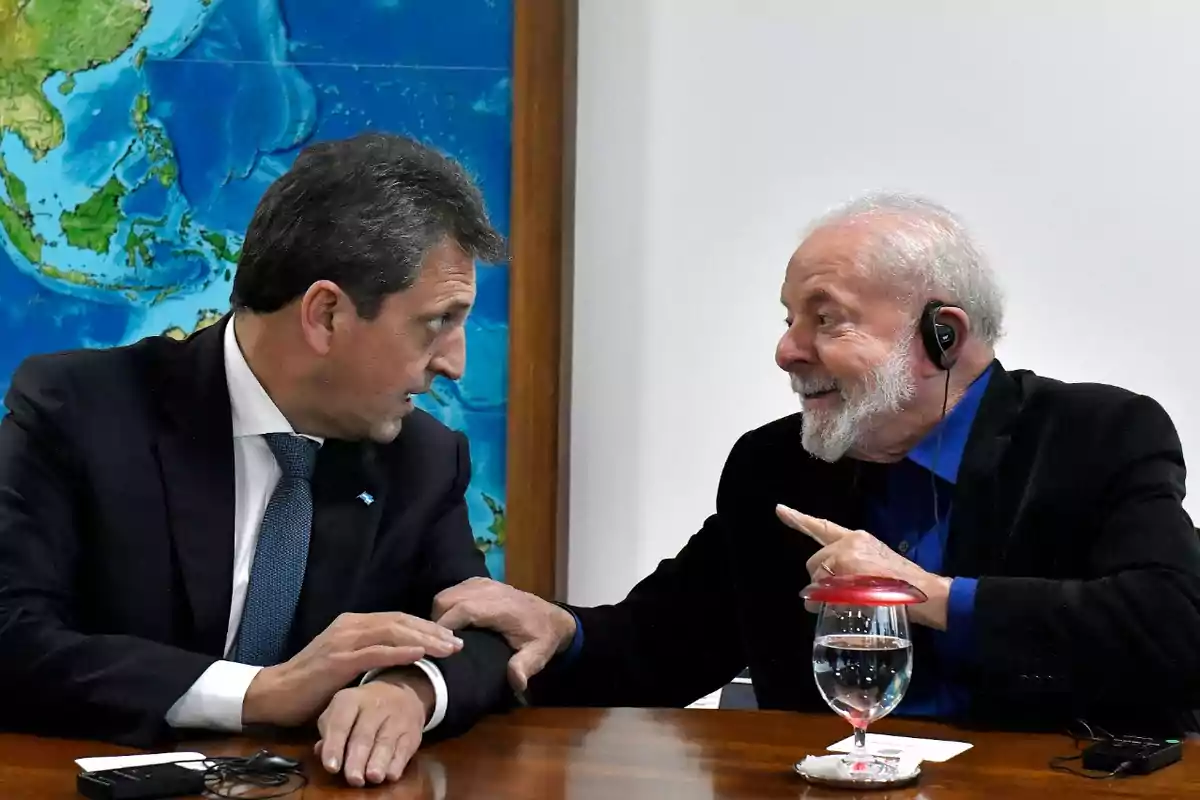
(634, 754)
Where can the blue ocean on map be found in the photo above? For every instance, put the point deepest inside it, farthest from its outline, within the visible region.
(183, 131)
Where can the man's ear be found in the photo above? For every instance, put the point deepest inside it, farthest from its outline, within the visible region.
(319, 307)
(960, 323)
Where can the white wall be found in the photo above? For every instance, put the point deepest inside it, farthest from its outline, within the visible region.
(710, 131)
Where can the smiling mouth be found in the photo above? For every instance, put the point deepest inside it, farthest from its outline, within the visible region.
(820, 393)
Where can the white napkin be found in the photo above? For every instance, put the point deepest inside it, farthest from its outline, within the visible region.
(882, 744)
(141, 760)
(833, 768)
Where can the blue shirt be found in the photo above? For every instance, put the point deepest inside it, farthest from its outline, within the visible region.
(905, 519)
(912, 516)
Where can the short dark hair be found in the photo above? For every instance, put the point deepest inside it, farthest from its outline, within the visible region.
(360, 212)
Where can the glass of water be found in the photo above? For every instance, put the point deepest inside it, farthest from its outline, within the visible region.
(862, 655)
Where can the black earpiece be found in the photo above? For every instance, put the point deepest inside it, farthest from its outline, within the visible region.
(938, 337)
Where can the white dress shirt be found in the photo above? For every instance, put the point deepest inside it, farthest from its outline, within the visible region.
(214, 701)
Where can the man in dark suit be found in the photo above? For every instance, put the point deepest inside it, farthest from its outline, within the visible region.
(249, 526)
(1043, 520)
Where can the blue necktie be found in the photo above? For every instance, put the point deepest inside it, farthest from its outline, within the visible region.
(281, 555)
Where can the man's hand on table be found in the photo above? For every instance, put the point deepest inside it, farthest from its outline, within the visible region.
(370, 732)
(294, 692)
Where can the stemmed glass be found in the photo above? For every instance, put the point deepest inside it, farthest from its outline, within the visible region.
(862, 656)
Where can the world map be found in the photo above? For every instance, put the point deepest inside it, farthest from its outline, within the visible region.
(136, 137)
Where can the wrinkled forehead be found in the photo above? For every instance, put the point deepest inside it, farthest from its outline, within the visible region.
(829, 258)
(830, 266)
(446, 270)
(445, 285)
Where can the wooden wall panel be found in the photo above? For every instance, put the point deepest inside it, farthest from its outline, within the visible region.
(543, 91)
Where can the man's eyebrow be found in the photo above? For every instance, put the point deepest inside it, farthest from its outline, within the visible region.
(817, 296)
(456, 305)
(454, 308)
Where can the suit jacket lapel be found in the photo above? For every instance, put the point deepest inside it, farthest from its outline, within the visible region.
(195, 455)
(978, 534)
(348, 501)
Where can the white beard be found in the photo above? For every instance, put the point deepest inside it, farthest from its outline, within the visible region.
(829, 435)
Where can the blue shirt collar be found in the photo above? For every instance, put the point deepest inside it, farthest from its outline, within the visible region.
(943, 458)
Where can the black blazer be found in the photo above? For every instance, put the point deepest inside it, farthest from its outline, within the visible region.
(1067, 508)
(116, 539)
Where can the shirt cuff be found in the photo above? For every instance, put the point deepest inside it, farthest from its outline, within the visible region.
(958, 642)
(214, 701)
(441, 692)
(572, 652)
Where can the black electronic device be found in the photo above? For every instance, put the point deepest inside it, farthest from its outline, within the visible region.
(938, 337)
(267, 762)
(1131, 755)
(141, 783)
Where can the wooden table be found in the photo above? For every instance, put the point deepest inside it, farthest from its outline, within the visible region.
(634, 754)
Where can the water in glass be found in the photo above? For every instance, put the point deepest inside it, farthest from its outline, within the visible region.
(862, 677)
(862, 662)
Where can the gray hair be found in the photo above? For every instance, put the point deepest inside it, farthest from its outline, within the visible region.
(929, 253)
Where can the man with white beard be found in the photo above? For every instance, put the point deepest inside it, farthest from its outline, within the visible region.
(829, 434)
(1043, 520)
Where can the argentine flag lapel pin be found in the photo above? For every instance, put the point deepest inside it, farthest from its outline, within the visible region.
(366, 498)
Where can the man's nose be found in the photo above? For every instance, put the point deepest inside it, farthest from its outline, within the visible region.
(794, 348)
(450, 360)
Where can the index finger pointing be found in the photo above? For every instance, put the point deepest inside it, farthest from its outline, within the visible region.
(822, 531)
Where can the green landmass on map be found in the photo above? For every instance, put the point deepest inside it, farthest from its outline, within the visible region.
(137, 248)
(498, 528)
(75, 276)
(39, 38)
(220, 244)
(159, 151)
(17, 218)
(92, 223)
(204, 318)
(139, 239)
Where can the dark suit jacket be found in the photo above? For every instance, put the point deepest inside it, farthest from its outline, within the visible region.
(116, 539)
(1067, 508)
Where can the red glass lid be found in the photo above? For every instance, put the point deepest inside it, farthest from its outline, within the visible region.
(863, 590)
